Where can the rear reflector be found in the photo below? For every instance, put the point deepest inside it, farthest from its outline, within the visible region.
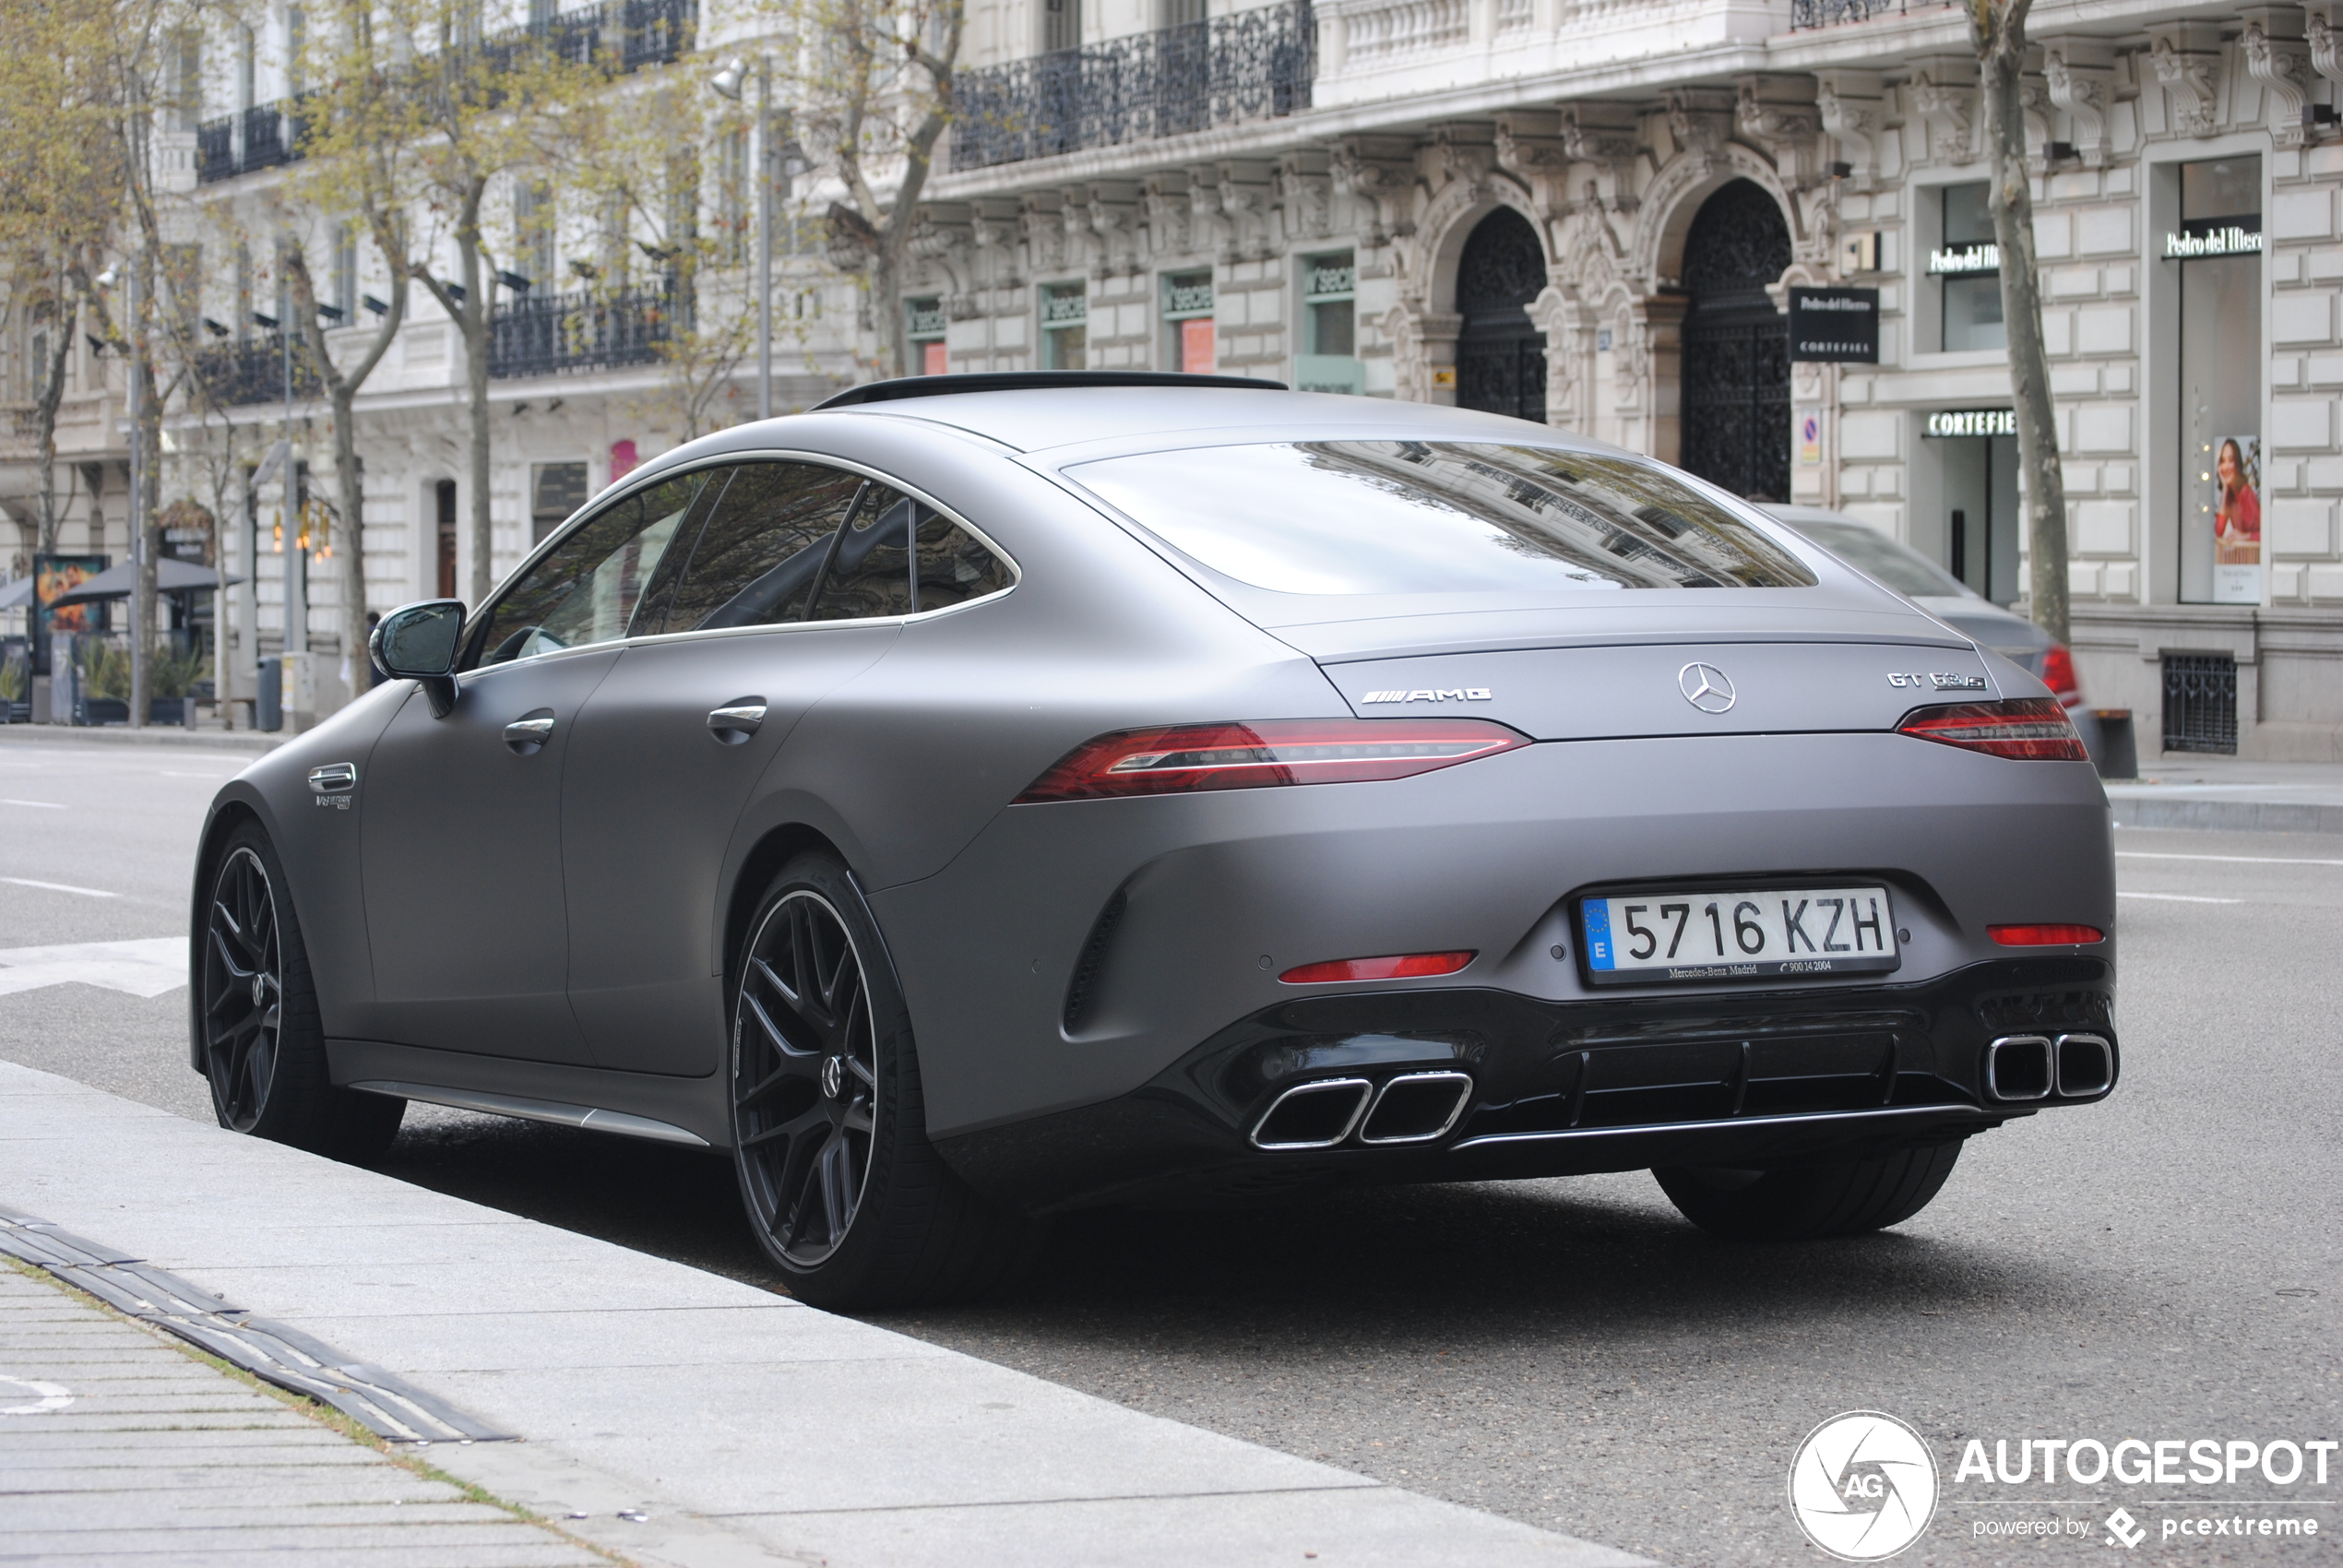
(1406, 966)
(2044, 935)
(2033, 729)
(1265, 753)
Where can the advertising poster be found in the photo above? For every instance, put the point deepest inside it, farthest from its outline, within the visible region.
(2233, 497)
(54, 575)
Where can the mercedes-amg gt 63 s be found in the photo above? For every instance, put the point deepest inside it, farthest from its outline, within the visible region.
(981, 797)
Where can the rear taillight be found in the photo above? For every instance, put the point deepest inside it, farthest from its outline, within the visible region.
(2058, 675)
(2033, 729)
(1401, 965)
(1265, 753)
(2044, 935)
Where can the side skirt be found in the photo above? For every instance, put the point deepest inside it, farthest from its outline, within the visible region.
(642, 1105)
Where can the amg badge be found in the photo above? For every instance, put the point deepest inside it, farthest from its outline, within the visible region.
(1446, 694)
(1940, 681)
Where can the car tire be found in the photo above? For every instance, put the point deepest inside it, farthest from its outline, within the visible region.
(844, 1193)
(1803, 1203)
(258, 1032)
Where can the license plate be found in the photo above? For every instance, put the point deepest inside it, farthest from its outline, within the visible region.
(1743, 934)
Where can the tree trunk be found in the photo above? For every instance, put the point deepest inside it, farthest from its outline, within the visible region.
(474, 324)
(52, 391)
(147, 527)
(1998, 29)
(352, 546)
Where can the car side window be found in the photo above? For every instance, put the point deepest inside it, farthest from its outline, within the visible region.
(901, 556)
(870, 571)
(590, 586)
(952, 565)
(764, 546)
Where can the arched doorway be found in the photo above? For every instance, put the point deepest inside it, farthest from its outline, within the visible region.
(1501, 358)
(1736, 346)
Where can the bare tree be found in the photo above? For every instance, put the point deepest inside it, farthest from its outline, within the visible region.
(877, 94)
(1997, 28)
(451, 116)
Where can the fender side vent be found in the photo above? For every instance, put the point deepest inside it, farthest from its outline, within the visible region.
(1081, 989)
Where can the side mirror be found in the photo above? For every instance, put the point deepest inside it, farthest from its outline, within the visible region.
(416, 642)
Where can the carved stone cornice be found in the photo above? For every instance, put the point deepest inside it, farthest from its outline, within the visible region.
(1113, 211)
(2081, 82)
(1165, 196)
(1699, 122)
(1380, 171)
(1947, 109)
(2188, 76)
(1771, 116)
(1851, 108)
(2326, 47)
(1604, 136)
(2281, 63)
(1306, 193)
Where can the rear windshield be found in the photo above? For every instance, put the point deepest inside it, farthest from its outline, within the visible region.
(1876, 556)
(1437, 516)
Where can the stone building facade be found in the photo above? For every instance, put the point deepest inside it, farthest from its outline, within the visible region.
(1591, 213)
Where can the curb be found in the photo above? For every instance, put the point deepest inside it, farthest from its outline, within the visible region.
(2233, 817)
(153, 735)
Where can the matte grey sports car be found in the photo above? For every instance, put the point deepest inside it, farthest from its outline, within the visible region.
(987, 796)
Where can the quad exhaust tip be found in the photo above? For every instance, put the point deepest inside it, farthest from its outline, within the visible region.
(1413, 1107)
(1317, 1115)
(2086, 1065)
(2033, 1067)
(1416, 1107)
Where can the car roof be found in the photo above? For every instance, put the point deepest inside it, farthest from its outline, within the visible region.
(1039, 419)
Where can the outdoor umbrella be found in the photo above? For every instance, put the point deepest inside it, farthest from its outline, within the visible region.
(171, 575)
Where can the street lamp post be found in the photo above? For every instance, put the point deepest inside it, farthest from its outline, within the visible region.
(727, 84)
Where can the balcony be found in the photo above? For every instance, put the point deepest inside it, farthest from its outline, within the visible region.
(1805, 14)
(235, 374)
(628, 34)
(1249, 66)
(552, 334)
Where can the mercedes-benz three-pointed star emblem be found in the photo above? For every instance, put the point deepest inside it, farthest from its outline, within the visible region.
(1706, 687)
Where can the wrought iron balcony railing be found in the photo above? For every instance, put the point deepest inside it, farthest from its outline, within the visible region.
(215, 151)
(235, 374)
(1250, 65)
(1808, 13)
(548, 334)
(630, 33)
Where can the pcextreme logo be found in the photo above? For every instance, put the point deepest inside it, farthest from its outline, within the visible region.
(1863, 1486)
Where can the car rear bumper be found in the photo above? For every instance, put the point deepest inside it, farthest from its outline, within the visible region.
(1549, 1088)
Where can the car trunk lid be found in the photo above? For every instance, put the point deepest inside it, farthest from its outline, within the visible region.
(1671, 688)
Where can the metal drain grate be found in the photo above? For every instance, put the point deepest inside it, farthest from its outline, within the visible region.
(386, 1405)
(2200, 703)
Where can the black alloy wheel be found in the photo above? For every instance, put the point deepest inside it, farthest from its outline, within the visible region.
(258, 1032)
(844, 1193)
(243, 990)
(805, 1078)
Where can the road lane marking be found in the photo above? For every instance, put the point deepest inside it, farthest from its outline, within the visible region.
(45, 805)
(2227, 859)
(146, 967)
(2179, 898)
(60, 887)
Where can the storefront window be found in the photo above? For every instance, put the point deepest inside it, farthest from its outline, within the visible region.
(924, 329)
(1188, 341)
(1968, 265)
(2218, 250)
(1329, 357)
(1065, 326)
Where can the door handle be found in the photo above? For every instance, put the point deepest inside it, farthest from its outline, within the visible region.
(735, 722)
(527, 736)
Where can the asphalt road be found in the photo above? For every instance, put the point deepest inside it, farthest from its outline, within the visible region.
(1569, 1353)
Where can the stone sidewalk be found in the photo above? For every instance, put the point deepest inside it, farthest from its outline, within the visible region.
(669, 1416)
(116, 1446)
(2223, 794)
